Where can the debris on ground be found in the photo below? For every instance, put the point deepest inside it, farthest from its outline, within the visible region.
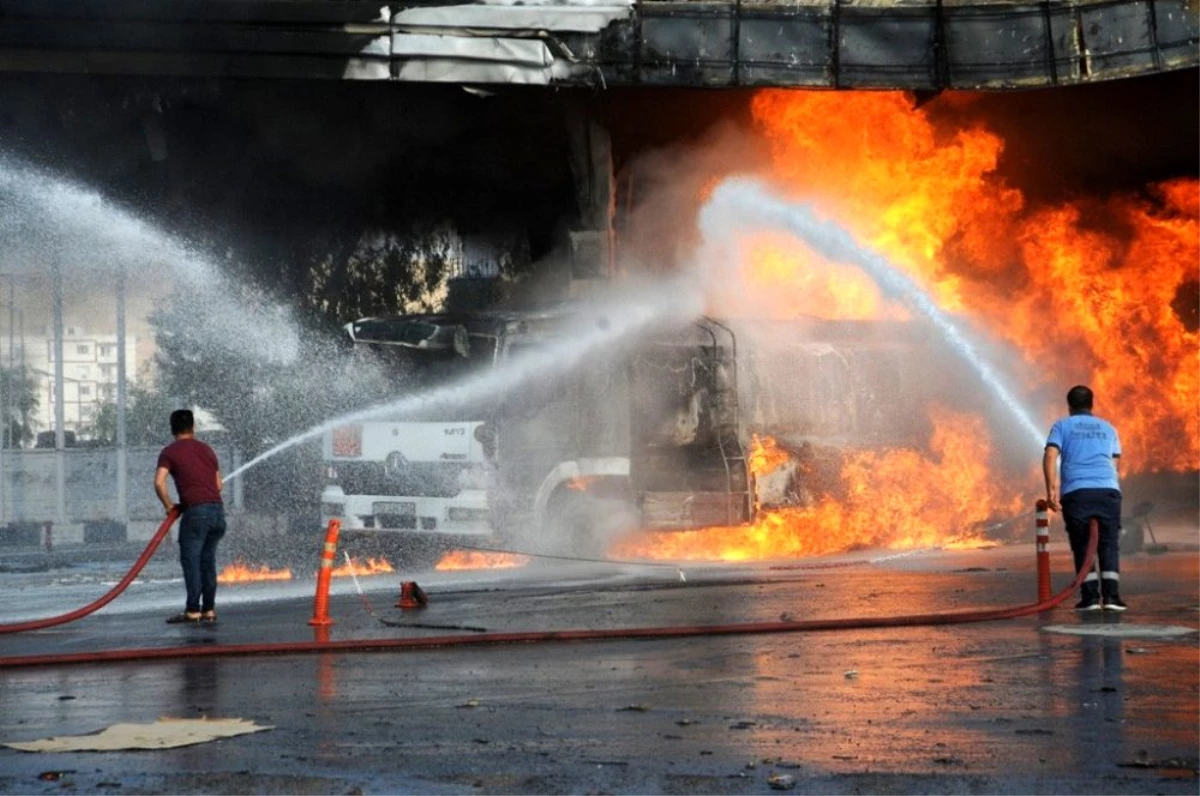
(782, 782)
(850, 674)
(1179, 763)
(162, 734)
(634, 708)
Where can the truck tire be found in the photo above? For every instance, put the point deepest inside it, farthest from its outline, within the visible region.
(570, 526)
(415, 553)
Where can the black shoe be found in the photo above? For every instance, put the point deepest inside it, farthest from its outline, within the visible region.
(1114, 603)
(1090, 602)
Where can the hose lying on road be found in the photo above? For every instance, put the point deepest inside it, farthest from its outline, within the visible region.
(526, 637)
(92, 607)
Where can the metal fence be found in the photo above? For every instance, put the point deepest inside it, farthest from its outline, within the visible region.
(91, 485)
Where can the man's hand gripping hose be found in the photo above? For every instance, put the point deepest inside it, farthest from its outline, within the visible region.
(527, 637)
(138, 566)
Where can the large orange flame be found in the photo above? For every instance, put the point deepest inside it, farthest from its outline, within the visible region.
(1085, 291)
(765, 455)
(888, 498)
(1101, 292)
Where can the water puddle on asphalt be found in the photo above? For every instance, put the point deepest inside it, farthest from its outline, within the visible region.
(1122, 631)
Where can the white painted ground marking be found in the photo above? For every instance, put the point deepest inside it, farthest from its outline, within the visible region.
(1122, 631)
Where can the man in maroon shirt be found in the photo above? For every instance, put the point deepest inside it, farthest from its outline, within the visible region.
(197, 476)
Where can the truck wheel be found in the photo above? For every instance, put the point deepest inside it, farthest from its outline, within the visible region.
(571, 527)
(415, 553)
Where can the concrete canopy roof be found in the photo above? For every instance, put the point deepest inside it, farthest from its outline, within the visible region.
(921, 45)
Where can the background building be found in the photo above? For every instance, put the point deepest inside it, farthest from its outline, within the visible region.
(89, 375)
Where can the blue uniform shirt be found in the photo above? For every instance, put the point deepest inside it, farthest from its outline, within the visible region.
(1088, 445)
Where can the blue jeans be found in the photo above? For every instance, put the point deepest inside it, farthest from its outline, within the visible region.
(1078, 507)
(199, 531)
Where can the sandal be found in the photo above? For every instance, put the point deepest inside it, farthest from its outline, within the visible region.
(209, 616)
(183, 619)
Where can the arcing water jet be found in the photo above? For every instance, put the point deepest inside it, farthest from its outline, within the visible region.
(744, 202)
(48, 218)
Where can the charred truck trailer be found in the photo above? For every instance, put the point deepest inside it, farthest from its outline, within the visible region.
(647, 432)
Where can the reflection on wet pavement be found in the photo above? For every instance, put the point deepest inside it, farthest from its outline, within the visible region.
(993, 707)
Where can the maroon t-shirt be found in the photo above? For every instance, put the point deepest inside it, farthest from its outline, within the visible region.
(194, 467)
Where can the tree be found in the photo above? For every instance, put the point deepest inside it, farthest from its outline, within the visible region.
(104, 423)
(147, 409)
(18, 393)
(377, 273)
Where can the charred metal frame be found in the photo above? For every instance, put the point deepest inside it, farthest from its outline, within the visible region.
(923, 45)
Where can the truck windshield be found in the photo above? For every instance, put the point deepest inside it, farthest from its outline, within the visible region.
(410, 371)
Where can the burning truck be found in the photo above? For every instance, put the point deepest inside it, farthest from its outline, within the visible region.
(664, 431)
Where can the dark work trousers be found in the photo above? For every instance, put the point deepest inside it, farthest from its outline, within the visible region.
(199, 531)
(1078, 507)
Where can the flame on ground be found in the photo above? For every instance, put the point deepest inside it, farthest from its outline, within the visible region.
(239, 572)
(474, 559)
(372, 566)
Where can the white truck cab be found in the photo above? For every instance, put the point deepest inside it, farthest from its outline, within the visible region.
(411, 477)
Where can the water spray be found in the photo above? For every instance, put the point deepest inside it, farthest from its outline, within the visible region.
(49, 217)
(746, 202)
(615, 321)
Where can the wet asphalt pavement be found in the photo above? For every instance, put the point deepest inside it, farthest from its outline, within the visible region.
(998, 707)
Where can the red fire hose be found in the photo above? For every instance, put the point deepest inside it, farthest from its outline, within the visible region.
(493, 639)
(138, 566)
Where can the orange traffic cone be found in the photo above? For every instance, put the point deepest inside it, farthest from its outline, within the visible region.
(411, 596)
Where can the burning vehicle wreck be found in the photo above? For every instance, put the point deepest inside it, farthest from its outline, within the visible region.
(683, 427)
(645, 433)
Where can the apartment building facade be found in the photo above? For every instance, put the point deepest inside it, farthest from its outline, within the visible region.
(89, 375)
